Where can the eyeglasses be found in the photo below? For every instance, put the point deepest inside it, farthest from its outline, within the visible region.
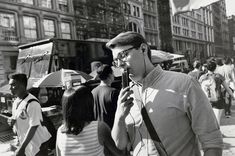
(121, 55)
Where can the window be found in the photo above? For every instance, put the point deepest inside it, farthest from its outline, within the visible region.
(49, 28)
(45, 3)
(193, 25)
(136, 11)
(193, 34)
(7, 20)
(200, 36)
(66, 30)
(176, 19)
(134, 27)
(151, 6)
(146, 21)
(9, 62)
(185, 22)
(27, 1)
(200, 27)
(127, 8)
(176, 30)
(7, 27)
(185, 32)
(199, 17)
(154, 21)
(63, 5)
(30, 28)
(233, 39)
(192, 13)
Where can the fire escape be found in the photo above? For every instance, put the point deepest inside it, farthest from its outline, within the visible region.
(98, 18)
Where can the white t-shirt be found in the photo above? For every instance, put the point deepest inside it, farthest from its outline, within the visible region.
(26, 119)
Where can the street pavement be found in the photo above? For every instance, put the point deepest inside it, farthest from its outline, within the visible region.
(228, 131)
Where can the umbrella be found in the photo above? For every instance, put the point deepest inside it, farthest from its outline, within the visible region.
(59, 78)
(117, 72)
(158, 56)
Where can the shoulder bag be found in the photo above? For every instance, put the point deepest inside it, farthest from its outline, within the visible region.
(153, 134)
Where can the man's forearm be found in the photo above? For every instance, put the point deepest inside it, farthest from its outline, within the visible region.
(119, 133)
(213, 152)
(29, 136)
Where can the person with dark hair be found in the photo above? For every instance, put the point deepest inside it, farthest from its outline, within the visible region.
(26, 119)
(168, 104)
(195, 73)
(219, 81)
(80, 134)
(105, 96)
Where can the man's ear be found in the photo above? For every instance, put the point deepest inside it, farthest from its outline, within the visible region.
(144, 47)
(143, 50)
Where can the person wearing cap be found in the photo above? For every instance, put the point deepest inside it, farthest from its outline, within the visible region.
(176, 105)
(105, 96)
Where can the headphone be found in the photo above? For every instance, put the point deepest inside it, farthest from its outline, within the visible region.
(143, 49)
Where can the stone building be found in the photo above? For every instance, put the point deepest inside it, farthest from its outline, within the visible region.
(231, 28)
(25, 21)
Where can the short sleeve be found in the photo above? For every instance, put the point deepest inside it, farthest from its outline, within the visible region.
(34, 113)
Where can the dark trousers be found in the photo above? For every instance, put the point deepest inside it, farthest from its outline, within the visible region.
(228, 105)
(43, 150)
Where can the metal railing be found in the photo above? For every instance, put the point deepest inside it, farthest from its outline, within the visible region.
(8, 34)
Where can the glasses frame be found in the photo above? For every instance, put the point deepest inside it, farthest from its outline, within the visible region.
(121, 55)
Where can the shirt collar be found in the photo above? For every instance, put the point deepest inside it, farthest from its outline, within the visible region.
(152, 76)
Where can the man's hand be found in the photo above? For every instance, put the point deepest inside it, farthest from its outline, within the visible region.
(124, 103)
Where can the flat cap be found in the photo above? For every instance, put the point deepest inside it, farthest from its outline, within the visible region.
(126, 38)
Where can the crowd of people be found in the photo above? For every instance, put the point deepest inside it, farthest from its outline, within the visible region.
(160, 113)
(223, 72)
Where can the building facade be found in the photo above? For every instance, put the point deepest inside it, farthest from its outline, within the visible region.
(99, 18)
(150, 16)
(202, 33)
(24, 21)
(189, 34)
(134, 16)
(220, 24)
(208, 32)
(231, 28)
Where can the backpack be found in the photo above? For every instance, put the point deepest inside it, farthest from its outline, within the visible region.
(49, 125)
(209, 87)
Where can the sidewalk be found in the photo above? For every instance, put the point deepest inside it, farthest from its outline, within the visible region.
(228, 129)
